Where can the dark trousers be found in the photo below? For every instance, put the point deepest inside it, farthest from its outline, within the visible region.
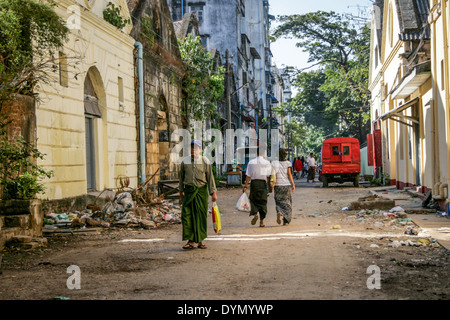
(258, 198)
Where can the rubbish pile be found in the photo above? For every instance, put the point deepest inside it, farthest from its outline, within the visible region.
(120, 212)
(396, 212)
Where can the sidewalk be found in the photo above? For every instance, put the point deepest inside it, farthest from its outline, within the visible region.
(435, 225)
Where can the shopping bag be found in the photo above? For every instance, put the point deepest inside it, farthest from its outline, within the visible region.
(273, 180)
(217, 224)
(243, 203)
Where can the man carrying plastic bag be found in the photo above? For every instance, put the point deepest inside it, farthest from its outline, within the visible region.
(196, 184)
(258, 172)
(243, 203)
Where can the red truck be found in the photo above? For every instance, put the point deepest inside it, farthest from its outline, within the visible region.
(341, 161)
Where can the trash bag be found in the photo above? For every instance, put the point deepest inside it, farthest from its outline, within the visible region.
(125, 199)
(217, 224)
(243, 203)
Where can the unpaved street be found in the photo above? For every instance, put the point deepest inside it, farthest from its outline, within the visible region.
(324, 253)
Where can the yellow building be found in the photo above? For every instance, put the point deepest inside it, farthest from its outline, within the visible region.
(86, 119)
(408, 72)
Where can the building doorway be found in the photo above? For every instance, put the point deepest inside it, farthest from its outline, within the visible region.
(92, 113)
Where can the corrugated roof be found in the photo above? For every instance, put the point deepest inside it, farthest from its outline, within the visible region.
(413, 18)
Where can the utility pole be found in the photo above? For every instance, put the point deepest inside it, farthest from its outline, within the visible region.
(228, 89)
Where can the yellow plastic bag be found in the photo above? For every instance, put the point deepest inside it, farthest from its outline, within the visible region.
(216, 218)
(273, 179)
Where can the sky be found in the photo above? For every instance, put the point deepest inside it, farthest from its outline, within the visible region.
(284, 51)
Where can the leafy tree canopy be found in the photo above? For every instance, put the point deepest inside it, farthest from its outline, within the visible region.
(203, 82)
(30, 34)
(334, 96)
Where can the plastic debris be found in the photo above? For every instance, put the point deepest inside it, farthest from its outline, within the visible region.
(120, 212)
(397, 209)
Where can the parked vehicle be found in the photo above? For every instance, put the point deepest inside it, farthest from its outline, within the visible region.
(341, 161)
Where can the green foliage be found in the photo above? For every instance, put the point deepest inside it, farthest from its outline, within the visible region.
(313, 140)
(384, 180)
(147, 31)
(203, 82)
(112, 15)
(334, 97)
(20, 176)
(295, 133)
(30, 35)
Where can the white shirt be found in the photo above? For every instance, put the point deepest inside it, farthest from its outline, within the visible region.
(259, 169)
(281, 170)
(311, 162)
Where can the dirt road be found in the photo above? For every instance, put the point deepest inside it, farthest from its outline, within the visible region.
(325, 253)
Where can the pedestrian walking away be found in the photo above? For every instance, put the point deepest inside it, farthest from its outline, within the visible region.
(196, 185)
(305, 167)
(311, 167)
(258, 175)
(298, 166)
(284, 188)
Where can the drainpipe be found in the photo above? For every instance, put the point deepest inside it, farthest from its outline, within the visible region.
(447, 87)
(140, 65)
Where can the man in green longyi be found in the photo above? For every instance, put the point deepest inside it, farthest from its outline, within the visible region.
(196, 185)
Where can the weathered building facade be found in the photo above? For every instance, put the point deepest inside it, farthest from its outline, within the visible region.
(410, 115)
(86, 120)
(162, 73)
(240, 28)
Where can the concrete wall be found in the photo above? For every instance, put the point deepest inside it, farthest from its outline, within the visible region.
(20, 218)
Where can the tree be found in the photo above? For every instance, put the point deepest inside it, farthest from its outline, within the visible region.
(20, 176)
(333, 97)
(203, 82)
(30, 35)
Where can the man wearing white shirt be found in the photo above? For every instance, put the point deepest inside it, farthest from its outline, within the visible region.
(258, 173)
(311, 167)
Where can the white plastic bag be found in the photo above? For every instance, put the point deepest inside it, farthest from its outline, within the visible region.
(243, 203)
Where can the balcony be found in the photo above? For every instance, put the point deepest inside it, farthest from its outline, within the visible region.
(413, 80)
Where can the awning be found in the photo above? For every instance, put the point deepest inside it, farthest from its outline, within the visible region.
(272, 98)
(410, 83)
(396, 114)
(248, 118)
(91, 107)
(255, 53)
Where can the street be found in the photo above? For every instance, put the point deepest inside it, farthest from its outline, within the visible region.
(326, 253)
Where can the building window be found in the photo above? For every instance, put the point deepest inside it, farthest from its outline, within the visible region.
(442, 75)
(120, 88)
(391, 25)
(205, 42)
(198, 9)
(376, 56)
(402, 142)
(63, 72)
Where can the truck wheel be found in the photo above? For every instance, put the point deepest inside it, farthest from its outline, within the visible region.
(356, 181)
(325, 181)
